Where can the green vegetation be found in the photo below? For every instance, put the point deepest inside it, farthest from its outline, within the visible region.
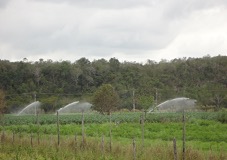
(2, 102)
(56, 84)
(203, 126)
(205, 136)
(105, 99)
(199, 130)
(70, 149)
(117, 117)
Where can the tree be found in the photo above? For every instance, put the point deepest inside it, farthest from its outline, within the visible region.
(49, 103)
(146, 102)
(102, 72)
(114, 64)
(85, 79)
(218, 96)
(105, 99)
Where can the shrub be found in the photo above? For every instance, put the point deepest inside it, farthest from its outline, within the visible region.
(222, 117)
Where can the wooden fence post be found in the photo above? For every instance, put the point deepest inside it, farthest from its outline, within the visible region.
(75, 141)
(110, 140)
(38, 138)
(134, 148)
(31, 140)
(13, 138)
(3, 129)
(183, 132)
(37, 122)
(51, 139)
(142, 124)
(175, 149)
(110, 133)
(83, 134)
(37, 117)
(58, 129)
(3, 136)
(102, 145)
(20, 137)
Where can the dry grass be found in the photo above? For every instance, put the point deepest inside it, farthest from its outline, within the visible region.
(69, 148)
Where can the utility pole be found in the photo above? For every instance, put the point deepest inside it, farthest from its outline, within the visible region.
(156, 97)
(35, 97)
(133, 99)
(35, 101)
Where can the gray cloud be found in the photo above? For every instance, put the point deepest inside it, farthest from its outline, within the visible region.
(3, 3)
(179, 8)
(107, 28)
(105, 4)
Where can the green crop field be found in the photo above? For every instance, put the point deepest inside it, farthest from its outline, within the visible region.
(206, 136)
(115, 117)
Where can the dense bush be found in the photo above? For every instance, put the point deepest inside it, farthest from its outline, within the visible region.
(222, 117)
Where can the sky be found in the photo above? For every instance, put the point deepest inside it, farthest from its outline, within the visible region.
(129, 30)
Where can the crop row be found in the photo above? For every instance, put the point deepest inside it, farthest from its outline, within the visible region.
(202, 130)
(116, 118)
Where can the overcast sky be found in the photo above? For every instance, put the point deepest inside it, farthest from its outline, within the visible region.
(129, 30)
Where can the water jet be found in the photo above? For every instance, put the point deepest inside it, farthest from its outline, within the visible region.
(30, 109)
(75, 107)
(175, 105)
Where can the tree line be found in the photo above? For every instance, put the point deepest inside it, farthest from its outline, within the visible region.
(56, 83)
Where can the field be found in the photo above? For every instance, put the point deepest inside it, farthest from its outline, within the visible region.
(119, 136)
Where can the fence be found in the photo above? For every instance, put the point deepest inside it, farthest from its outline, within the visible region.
(50, 128)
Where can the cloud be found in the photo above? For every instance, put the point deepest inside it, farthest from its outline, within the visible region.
(203, 33)
(104, 4)
(3, 3)
(131, 29)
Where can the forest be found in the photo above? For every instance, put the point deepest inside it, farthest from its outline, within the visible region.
(57, 83)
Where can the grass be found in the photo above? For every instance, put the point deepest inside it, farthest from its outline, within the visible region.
(200, 130)
(201, 134)
(206, 136)
(71, 149)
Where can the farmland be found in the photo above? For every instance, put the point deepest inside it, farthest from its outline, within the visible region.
(205, 135)
(119, 117)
